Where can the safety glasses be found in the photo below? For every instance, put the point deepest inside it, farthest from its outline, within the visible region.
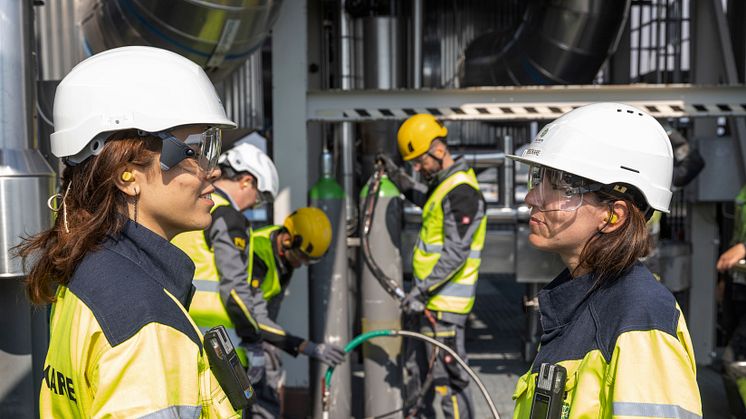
(557, 190)
(203, 147)
(300, 255)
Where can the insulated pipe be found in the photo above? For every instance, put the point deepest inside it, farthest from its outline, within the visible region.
(26, 181)
(328, 294)
(215, 34)
(558, 42)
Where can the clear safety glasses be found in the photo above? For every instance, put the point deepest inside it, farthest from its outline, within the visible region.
(203, 147)
(556, 190)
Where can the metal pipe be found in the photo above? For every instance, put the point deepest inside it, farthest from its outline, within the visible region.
(482, 160)
(417, 15)
(346, 129)
(508, 184)
(26, 181)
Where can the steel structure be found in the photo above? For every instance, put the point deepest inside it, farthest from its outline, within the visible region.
(523, 103)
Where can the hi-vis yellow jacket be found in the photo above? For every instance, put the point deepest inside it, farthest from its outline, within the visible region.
(625, 346)
(445, 262)
(221, 259)
(121, 341)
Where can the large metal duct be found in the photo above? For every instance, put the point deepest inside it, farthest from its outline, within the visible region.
(26, 181)
(219, 35)
(558, 42)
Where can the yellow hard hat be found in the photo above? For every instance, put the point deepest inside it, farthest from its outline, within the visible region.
(417, 133)
(310, 231)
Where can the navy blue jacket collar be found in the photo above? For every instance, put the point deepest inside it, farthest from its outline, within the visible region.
(561, 299)
(164, 262)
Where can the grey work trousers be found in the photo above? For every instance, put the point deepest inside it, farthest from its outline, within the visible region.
(449, 380)
(268, 385)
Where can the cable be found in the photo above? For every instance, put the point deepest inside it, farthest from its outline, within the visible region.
(358, 340)
(371, 199)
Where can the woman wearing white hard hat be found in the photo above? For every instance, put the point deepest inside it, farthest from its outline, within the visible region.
(138, 129)
(617, 335)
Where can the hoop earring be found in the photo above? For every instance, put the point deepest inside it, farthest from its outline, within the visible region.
(63, 206)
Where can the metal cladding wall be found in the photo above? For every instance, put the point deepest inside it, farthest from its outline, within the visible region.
(26, 181)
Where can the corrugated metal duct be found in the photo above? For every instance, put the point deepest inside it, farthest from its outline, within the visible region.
(558, 42)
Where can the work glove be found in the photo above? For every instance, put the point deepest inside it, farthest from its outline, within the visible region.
(413, 302)
(396, 174)
(327, 353)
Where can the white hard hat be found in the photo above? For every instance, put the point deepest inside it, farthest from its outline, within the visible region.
(146, 88)
(609, 143)
(249, 158)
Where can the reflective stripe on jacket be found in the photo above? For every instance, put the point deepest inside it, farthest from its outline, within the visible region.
(121, 342)
(625, 346)
(457, 294)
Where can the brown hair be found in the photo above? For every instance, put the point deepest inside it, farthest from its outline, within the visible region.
(94, 208)
(608, 255)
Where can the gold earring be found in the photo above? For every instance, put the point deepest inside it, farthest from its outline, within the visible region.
(128, 176)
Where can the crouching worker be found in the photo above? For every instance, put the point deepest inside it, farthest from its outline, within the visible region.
(277, 250)
(138, 129)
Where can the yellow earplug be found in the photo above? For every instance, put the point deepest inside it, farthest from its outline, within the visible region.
(128, 176)
(613, 220)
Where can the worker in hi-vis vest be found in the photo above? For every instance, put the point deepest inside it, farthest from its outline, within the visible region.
(446, 258)
(277, 251)
(221, 253)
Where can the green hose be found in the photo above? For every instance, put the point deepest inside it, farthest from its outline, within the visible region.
(354, 343)
(405, 333)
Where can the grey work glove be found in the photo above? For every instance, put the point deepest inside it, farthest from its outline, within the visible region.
(327, 353)
(413, 302)
(399, 176)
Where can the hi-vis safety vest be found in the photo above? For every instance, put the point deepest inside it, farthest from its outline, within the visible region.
(261, 245)
(457, 295)
(207, 308)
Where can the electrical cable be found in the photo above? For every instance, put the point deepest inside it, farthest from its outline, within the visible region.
(391, 333)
